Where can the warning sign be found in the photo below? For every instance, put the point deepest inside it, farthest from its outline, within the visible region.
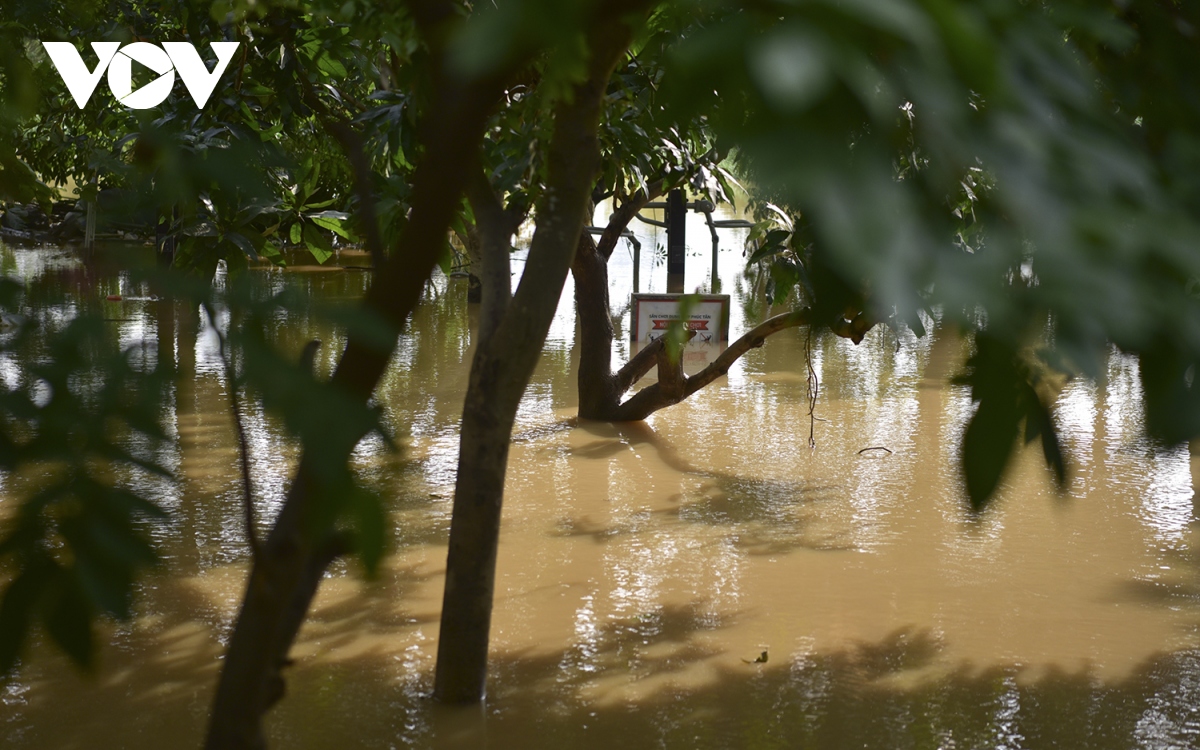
(662, 323)
(708, 316)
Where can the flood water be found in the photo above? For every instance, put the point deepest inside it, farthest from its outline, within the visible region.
(645, 569)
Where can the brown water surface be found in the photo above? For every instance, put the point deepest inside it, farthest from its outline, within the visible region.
(645, 568)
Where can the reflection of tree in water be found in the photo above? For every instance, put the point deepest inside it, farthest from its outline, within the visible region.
(764, 515)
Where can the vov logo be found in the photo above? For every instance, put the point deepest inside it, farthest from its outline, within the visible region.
(167, 60)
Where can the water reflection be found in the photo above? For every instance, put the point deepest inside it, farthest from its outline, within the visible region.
(644, 568)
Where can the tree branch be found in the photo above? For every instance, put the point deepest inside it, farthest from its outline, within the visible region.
(638, 365)
(654, 397)
(752, 339)
(336, 545)
(625, 213)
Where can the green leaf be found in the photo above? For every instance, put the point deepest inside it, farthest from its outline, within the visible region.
(333, 225)
(319, 204)
(331, 66)
(1003, 385)
(1040, 423)
(271, 133)
(765, 251)
(781, 215)
(68, 619)
(370, 525)
(915, 324)
(446, 259)
(785, 275)
(294, 233)
(317, 243)
(987, 447)
(16, 613)
(272, 252)
(243, 244)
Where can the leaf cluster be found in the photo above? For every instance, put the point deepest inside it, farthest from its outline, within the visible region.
(80, 419)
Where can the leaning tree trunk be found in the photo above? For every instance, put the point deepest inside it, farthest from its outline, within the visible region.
(285, 575)
(504, 362)
(600, 388)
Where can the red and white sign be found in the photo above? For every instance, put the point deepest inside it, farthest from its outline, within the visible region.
(708, 316)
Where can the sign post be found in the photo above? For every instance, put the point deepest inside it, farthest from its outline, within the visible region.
(676, 240)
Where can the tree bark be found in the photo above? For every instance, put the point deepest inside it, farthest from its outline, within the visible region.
(599, 388)
(502, 368)
(493, 231)
(284, 579)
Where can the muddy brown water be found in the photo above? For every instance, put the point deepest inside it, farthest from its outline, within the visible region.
(645, 569)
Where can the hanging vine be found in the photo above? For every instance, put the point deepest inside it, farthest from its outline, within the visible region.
(814, 387)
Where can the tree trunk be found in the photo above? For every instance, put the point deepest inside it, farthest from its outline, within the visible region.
(501, 370)
(492, 240)
(284, 579)
(600, 388)
(598, 393)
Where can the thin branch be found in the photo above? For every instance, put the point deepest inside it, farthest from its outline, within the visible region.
(243, 445)
(752, 339)
(654, 397)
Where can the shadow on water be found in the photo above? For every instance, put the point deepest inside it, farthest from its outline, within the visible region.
(614, 438)
(1181, 589)
(870, 695)
(765, 516)
(154, 683)
(647, 681)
